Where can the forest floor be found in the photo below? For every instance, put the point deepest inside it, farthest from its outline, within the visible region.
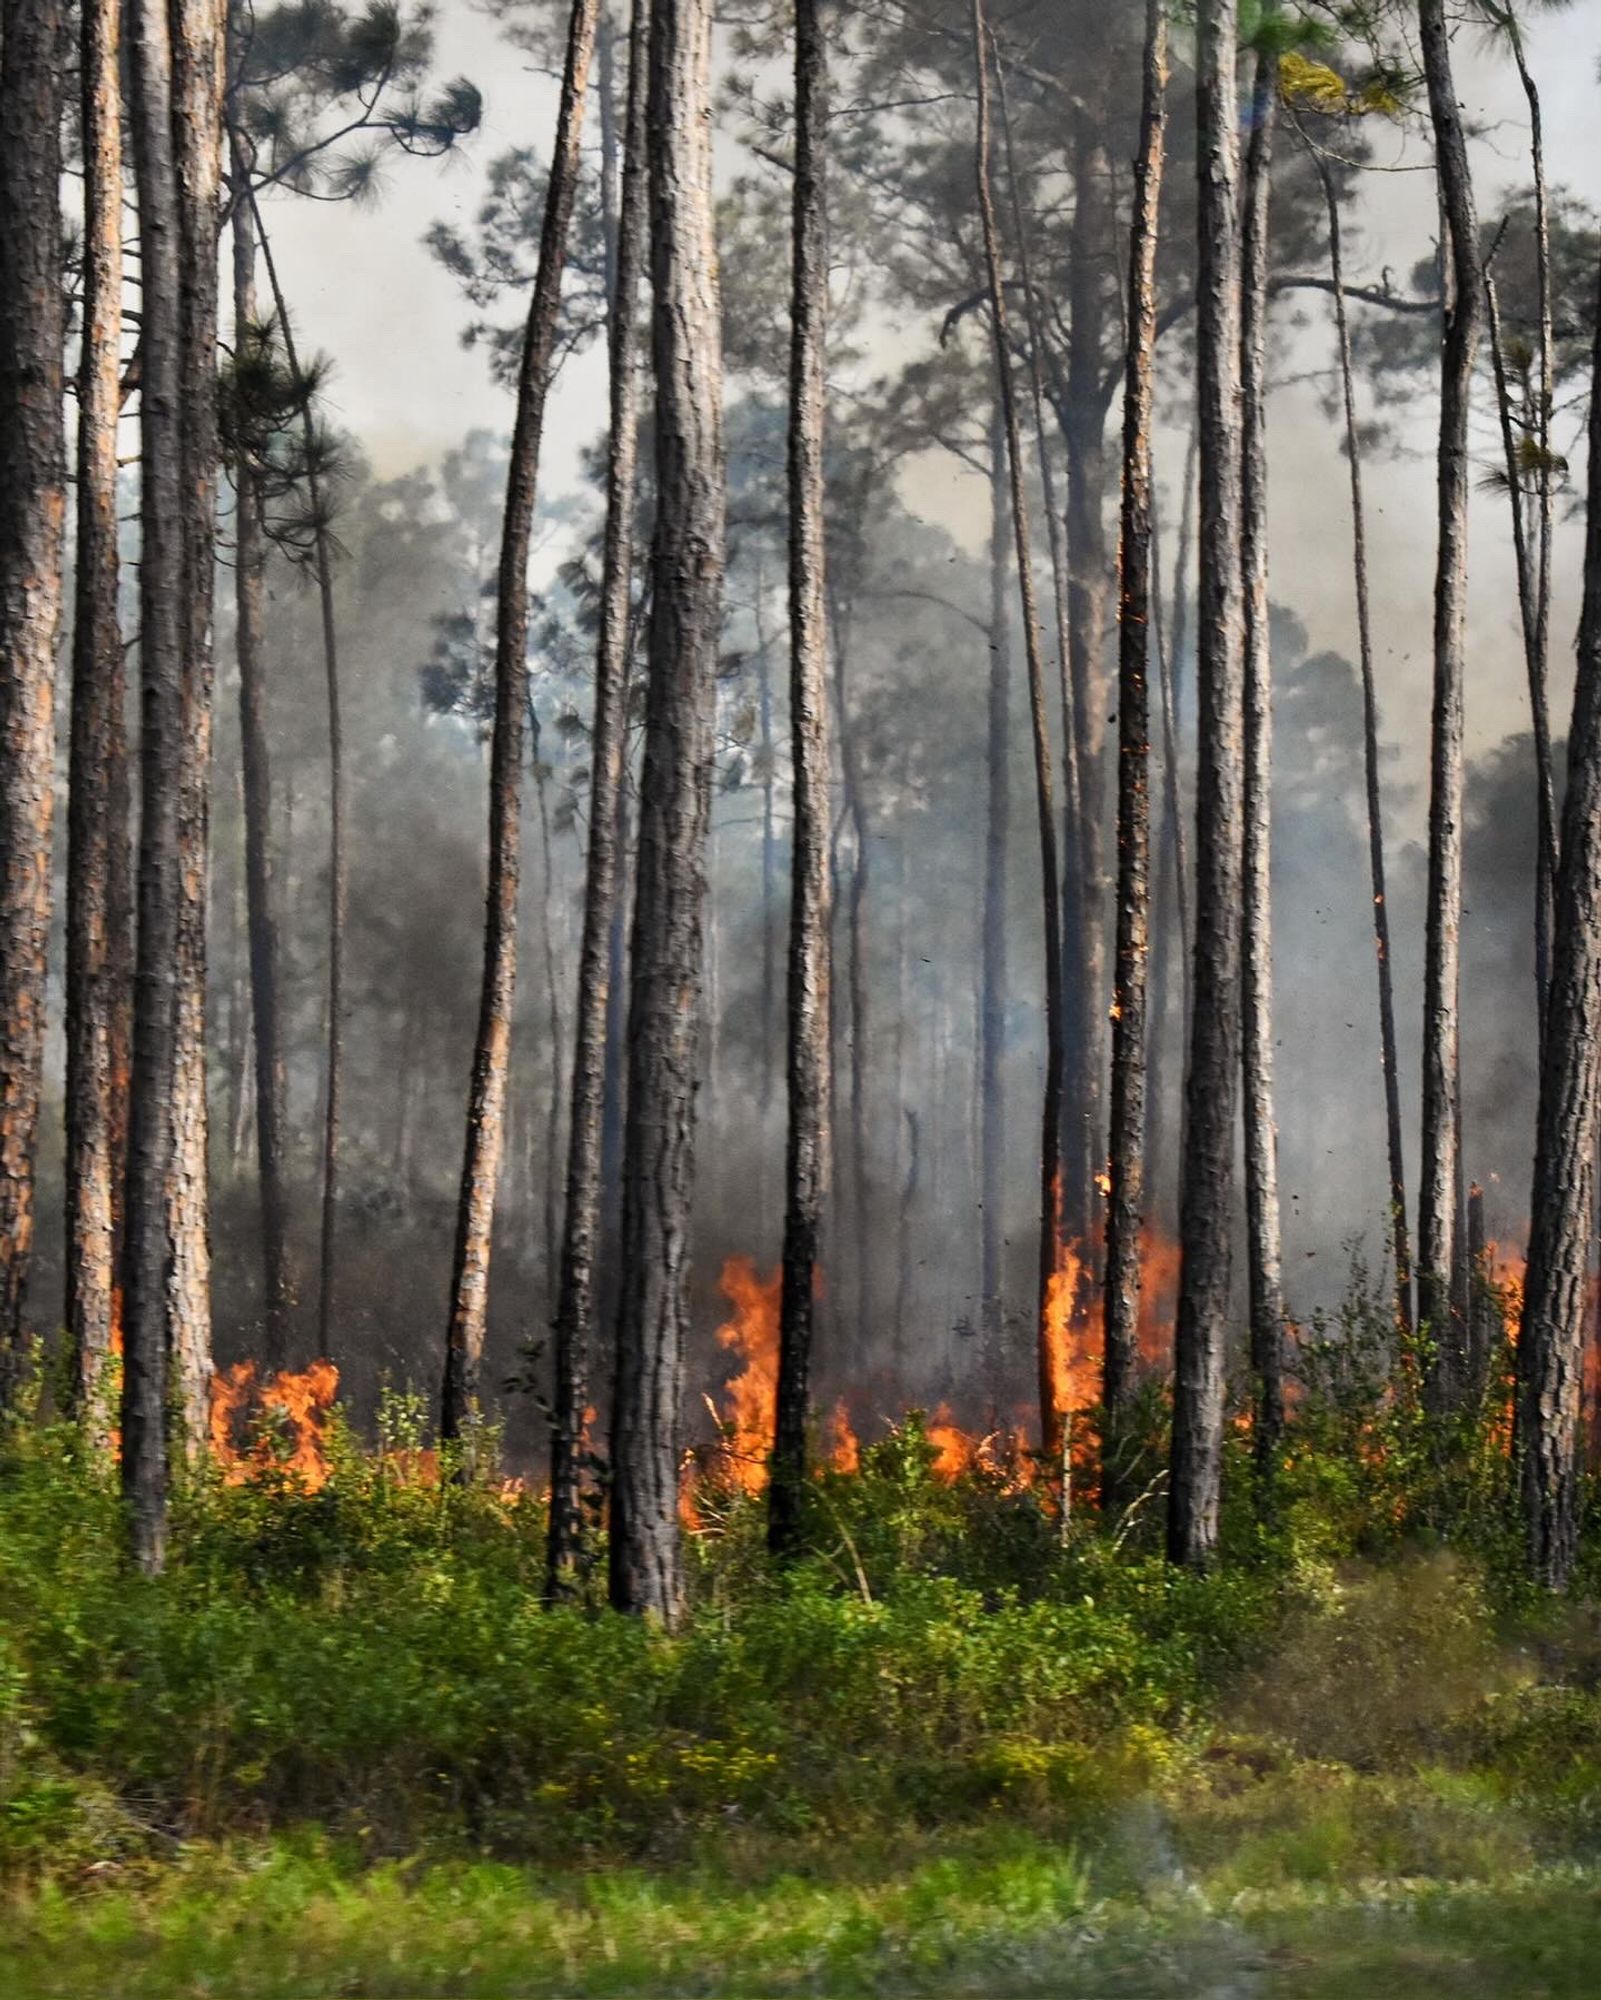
(342, 1747)
(286, 1925)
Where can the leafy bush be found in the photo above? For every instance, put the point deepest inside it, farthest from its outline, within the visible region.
(374, 1656)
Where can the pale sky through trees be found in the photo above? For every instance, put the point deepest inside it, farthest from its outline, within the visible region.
(368, 292)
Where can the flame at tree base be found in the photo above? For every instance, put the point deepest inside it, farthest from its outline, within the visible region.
(737, 1464)
(289, 1433)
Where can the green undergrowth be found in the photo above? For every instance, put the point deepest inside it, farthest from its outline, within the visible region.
(290, 1922)
(341, 1746)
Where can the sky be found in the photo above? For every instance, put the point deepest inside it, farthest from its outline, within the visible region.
(369, 294)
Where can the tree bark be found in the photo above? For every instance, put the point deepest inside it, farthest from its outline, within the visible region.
(992, 971)
(1532, 611)
(97, 936)
(1173, 881)
(256, 771)
(1540, 649)
(764, 672)
(1206, 1218)
(1389, 1062)
(853, 786)
(1078, 1165)
(1089, 566)
(807, 1003)
(1562, 1204)
(555, 1038)
(1264, 1235)
(1054, 1389)
(338, 864)
(198, 81)
(486, 1111)
(1126, 1151)
(675, 801)
(581, 1229)
(161, 765)
(1439, 1196)
(32, 513)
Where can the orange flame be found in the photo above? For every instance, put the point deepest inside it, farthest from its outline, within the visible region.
(750, 1400)
(300, 1402)
(957, 1449)
(1075, 1320)
(844, 1447)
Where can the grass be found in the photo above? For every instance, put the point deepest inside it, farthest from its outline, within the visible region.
(341, 1748)
(289, 1922)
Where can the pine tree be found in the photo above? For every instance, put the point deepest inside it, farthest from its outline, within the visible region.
(663, 1028)
(807, 1066)
(32, 511)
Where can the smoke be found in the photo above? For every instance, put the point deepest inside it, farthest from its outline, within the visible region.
(417, 530)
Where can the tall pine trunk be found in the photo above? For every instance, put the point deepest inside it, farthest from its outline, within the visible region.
(807, 1003)
(1389, 1062)
(1126, 1150)
(1264, 1238)
(338, 863)
(769, 780)
(854, 800)
(992, 969)
(197, 71)
(97, 934)
(161, 773)
(581, 1228)
(32, 513)
(1532, 611)
(1562, 1204)
(1078, 1166)
(1053, 1384)
(1206, 1216)
(1089, 569)
(1439, 1192)
(256, 772)
(486, 1110)
(675, 806)
(1539, 649)
(1172, 946)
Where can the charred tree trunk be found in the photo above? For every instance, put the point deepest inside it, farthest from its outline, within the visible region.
(599, 953)
(1539, 650)
(256, 771)
(1264, 1237)
(807, 1006)
(338, 864)
(197, 72)
(595, 1093)
(853, 786)
(161, 767)
(597, 964)
(1389, 1064)
(769, 752)
(97, 938)
(992, 973)
(1078, 1167)
(1483, 1318)
(1173, 880)
(1551, 1343)
(1126, 1151)
(1054, 1389)
(1089, 566)
(486, 1110)
(675, 802)
(1439, 1196)
(32, 513)
(1532, 611)
(556, 1039)
(1206, 1218)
